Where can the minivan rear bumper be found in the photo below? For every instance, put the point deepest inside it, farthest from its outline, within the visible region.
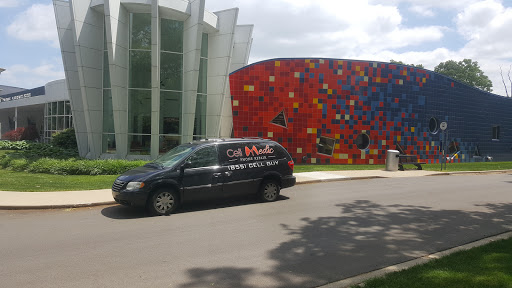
(288, 181)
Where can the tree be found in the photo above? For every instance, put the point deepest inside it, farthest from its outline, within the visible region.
(466, 71)
(402, 63)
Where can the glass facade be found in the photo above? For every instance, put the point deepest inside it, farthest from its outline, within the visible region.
(202, 90)
(108, 137)
(57, 117)
(171, 84)
(139, 83)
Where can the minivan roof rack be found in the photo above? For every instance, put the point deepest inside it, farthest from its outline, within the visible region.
(259, 138)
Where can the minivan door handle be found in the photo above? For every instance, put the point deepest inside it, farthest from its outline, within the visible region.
(228, 173)
(217, 175)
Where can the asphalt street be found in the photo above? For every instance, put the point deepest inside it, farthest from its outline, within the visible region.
(315, 234)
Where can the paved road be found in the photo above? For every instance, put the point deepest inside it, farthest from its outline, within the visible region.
(317, 233)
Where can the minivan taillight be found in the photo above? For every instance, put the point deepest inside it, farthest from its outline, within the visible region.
(290, 163)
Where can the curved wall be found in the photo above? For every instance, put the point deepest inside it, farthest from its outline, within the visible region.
(317, 108)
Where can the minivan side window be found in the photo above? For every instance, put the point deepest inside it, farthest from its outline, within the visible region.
(204, 157)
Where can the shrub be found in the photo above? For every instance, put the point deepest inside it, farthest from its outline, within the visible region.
(14, 135)
(16, 145)
(65, 139)
(18, 164)
(82, 167)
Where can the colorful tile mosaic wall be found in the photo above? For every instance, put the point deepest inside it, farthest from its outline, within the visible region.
(317, 108)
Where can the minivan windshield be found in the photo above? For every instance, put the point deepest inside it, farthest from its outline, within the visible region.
(174, 156)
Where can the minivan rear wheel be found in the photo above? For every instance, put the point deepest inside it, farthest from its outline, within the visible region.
(163, 202)
(269, 190)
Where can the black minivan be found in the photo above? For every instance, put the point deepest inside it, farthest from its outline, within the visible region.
(207, 169)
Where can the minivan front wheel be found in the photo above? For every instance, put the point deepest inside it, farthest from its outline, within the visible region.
(269, 190)
(163, 202)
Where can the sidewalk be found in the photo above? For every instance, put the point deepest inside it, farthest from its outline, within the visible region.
(10, 200)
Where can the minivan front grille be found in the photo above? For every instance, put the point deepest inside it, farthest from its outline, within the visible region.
(118, 184)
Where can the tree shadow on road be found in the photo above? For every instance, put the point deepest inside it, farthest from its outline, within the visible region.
(365, 236)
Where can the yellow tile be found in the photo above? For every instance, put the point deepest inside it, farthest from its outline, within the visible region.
(347, 117)
(320, 106)
(291, 94)
(296, 105)
(311, 65)
(314, 130)
(310, 130)
(398, 138)
(340, 62)
(349, 161)
(427, 148)
(297, 74)
(424, 80)
(412, 129)
(246, 87)
(329, 91)
(271, 78)
(405, 73)
(278, 63)
(299, 150)
(270, 134)
(361, 73)
(370, 161)
(307, 60)
(315, 101)
(336, 156)
(377, 79)
(235, 102)
(337, 146)
(337, 136)
(358, 68)
(313, 160)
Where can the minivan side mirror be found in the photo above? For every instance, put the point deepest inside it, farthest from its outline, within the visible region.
(185, 165)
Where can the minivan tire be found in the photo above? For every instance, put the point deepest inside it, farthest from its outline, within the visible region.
(269, 190)
(163, 202)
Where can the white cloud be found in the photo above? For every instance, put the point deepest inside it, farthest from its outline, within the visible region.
(23, 76)
(37, 23)
(11, 3)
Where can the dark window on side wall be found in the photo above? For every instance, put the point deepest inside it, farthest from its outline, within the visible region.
(362, 141)
(326, 145)
(495, 132)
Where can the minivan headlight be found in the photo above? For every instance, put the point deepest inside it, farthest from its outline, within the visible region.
(134, 185)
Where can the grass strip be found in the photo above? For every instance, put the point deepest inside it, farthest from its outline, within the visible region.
(38, 182)
(485, 266)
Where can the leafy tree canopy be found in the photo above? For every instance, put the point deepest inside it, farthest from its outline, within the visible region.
(465, 71)
(402, 63)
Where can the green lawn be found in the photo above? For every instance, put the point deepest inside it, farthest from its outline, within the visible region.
(35, 182)
(485, 266)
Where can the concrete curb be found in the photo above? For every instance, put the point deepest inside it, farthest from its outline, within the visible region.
(62, 206)
(356, 280)
(337, 179)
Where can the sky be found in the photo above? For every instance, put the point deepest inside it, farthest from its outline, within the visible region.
(412, 31)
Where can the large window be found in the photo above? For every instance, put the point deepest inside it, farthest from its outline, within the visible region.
(57, 117)
(108, 137)
(171, 83)
(139, 93)
(202, 90)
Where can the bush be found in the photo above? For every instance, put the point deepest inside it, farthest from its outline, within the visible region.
(18, 164)
(16, 145)
(82, 167)
(14, 135)
(65, 139)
